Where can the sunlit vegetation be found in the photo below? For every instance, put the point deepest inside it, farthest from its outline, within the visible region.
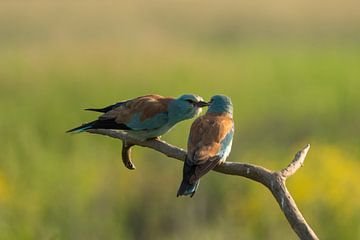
(293, 80)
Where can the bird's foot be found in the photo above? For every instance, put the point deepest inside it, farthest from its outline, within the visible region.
(158, 138)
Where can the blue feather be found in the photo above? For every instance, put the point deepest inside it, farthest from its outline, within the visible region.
(82, 128)
(187, 189)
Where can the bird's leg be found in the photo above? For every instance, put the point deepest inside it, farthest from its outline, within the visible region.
(126, 155)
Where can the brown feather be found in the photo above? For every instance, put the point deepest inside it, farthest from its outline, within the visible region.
(206, 135)
(204, 168)
(204, 142)
(148, 106)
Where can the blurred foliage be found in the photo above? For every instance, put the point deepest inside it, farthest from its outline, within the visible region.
(291, 68)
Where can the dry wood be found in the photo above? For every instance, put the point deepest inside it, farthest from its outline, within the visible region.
(273, 180)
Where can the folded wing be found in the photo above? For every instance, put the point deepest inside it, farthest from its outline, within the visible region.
(209, 142)
(142, 113)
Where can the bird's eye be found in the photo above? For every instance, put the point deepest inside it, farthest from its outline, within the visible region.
(189, 101)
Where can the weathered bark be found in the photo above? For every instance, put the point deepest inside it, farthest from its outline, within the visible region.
(273, 180)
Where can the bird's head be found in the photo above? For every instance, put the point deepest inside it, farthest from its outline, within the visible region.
(220, 104)
(187, 106)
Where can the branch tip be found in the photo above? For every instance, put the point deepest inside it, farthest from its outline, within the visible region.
(296, 163)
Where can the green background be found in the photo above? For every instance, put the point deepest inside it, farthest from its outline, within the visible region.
(292, 69)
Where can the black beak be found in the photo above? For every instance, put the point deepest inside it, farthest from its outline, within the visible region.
(202, 104)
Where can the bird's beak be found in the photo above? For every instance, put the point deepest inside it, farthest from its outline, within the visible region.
(202, 104)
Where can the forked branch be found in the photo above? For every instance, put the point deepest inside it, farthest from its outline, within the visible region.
(273, 180)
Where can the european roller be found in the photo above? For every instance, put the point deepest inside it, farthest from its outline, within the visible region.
(147, 116)
(209, 143)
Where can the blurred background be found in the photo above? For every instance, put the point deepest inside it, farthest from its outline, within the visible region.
(292, 69)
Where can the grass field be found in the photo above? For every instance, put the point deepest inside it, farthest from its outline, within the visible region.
(293, 77)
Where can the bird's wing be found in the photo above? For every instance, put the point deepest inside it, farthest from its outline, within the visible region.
(107, 108)
(209, 142)
(142, 113)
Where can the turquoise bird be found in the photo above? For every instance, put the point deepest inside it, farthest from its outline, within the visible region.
(147, 116)
(209, 143)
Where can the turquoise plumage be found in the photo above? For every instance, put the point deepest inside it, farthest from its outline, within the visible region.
(209, 143)
(147, 116)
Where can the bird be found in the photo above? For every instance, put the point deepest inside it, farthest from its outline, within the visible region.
(145, 117)
(209, 143)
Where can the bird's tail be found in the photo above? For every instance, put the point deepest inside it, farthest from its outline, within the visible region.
(100, 124)
(187, 187)
(82, 128)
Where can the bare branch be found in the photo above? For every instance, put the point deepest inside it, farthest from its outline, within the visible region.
(273, 180)
(126, 155)
(296, 163)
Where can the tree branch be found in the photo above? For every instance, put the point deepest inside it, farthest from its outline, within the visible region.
(273, 180)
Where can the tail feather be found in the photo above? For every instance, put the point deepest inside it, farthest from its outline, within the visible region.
(82, 128)
(188, 187)
(100, 124)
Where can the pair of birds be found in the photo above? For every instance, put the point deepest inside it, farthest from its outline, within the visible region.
(151, 116)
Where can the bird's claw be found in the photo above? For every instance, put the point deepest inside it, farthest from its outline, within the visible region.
(158, 138)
